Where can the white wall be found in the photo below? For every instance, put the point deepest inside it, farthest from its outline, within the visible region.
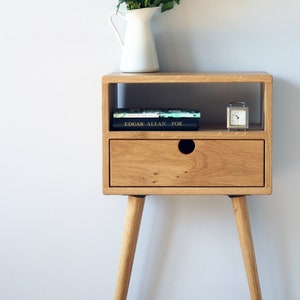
(59, 236)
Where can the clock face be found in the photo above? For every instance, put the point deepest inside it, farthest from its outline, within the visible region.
(238, 117)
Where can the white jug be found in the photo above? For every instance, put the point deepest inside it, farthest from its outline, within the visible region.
(138, 48)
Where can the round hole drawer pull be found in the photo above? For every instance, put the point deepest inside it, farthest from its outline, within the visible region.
(186, 146)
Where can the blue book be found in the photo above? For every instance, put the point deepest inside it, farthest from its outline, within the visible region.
(151, 124)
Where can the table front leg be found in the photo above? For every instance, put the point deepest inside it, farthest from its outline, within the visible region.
(240, 209)
(131, 230)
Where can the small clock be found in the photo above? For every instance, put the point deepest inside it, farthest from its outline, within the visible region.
(237, 116)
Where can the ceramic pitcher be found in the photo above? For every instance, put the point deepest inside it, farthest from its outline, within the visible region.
(138, 47)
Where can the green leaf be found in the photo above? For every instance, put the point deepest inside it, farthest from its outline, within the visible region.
(156, 3)
(167, 6)
(135, 4)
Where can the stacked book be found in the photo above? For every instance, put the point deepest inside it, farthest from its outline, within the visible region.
(155, 119)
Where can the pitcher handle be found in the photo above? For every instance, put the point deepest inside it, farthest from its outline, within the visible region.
(115, 29)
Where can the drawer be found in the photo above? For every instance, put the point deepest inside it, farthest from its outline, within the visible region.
(186, 163)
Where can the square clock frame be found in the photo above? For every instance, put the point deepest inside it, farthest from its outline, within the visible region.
(237, 116)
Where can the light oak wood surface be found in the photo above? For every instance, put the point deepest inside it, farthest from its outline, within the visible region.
(131, 230)
(152, 163)
(235, 163)
(113, 179)
(241, 214)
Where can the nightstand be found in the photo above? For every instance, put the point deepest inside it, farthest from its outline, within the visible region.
(209, 161)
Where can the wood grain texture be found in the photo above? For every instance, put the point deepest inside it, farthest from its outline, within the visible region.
(160, 163)
(263, 132)
(241, 214)
(130, 236)
(143, 163)
(186, 77)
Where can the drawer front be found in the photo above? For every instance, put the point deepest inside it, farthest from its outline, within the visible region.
(186, 163)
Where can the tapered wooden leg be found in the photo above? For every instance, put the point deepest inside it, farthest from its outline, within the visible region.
(240, 209)
(131, 230)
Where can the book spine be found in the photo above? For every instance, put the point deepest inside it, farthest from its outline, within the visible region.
(155, 124)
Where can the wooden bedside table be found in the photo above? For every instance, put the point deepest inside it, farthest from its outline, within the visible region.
(233, 163)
